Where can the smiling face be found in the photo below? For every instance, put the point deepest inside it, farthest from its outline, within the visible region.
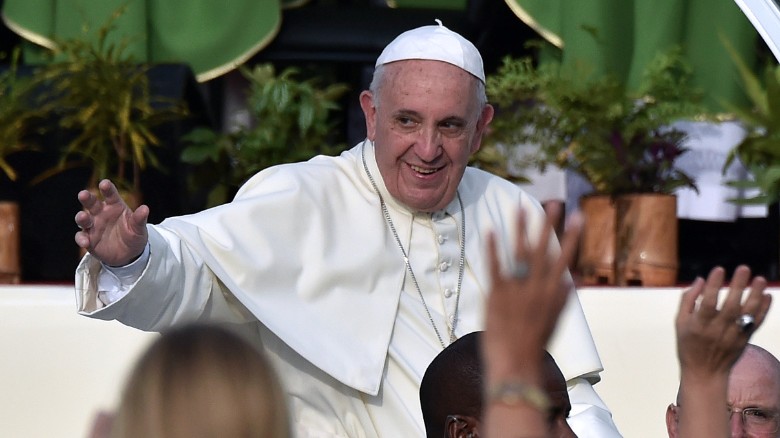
(426, 123)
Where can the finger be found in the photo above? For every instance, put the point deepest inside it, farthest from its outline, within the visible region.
(521, 245)
(109, 192)
(540, 259)
(84, 220)
(758, 301)
(139, 218)
(689, 297)
(571, 237)
(547, 230)
(733, 303)
(90, 202)
(82, 239)
(763, 309)
(86, 198)
(709, 296)
(493, 264)
(554, 212)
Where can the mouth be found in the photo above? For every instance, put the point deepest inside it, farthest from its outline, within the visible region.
(424, 170)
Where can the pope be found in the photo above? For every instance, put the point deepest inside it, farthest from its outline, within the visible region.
(352, 272)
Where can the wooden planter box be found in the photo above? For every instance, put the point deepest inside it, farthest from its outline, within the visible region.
(629, 240)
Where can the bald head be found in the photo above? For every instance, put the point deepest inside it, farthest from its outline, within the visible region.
(755, 379)
(754, 382)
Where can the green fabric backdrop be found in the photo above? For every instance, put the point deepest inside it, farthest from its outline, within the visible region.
(628, 33)
(209, 35)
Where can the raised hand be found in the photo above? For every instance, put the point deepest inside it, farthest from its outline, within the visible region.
(709, 340)
(523, 307)
(110, 230)
(522, 311)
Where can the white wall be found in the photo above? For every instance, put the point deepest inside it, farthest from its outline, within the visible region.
(57, 369)
(634, 332)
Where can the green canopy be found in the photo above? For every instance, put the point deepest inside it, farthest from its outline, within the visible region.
(212, 36)
(622, 36)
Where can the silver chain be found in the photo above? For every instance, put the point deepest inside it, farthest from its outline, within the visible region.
(461, 264)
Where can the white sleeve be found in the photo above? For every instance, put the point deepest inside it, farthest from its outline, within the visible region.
(589, 417)
(115, 281)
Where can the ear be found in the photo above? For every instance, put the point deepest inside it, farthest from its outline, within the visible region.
(461, 426)
(671, 420)
(482, 124)
(369, 111)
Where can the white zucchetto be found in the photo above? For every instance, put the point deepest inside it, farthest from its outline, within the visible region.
(435, 43)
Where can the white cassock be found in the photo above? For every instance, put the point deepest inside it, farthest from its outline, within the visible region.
(303, 257)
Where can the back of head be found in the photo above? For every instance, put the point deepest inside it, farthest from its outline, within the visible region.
(452, 384)
(202, 381)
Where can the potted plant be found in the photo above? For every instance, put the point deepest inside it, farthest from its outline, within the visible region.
(101, 99)
(102, 120)
(759, 151)
(621, 141)
(291, 120)
(17, 119)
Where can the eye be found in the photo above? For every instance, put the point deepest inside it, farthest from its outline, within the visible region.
(451, 128)
(758, 414)
(405, 121)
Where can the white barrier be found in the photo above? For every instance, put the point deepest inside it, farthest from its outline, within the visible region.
(58, 368)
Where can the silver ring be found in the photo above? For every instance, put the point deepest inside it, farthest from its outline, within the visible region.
(746, 322)
(521, 270)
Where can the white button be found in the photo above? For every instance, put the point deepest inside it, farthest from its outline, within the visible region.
(442, 239)
(443, 266)
(447, 293)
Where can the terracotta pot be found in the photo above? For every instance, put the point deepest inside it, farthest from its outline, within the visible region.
(646, 250)
(596, 258)
(10, 267)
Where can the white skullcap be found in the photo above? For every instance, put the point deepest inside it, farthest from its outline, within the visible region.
(436, 43)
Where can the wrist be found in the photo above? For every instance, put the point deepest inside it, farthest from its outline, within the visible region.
(516, 392)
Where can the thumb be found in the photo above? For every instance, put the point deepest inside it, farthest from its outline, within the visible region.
(138, 219)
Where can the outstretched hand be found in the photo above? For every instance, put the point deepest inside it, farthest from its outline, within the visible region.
(110, 230)
(709, 340)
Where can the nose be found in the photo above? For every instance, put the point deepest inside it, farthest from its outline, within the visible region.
(737, 428)
(429, 145)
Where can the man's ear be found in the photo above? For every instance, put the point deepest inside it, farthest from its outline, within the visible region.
(671, 420)
(369, 111)
(482, 127)
(461, 426)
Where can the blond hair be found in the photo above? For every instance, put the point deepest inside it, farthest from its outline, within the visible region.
(202, 381)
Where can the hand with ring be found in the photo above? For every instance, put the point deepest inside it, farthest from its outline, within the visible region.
(521, 314)
(711, 335)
